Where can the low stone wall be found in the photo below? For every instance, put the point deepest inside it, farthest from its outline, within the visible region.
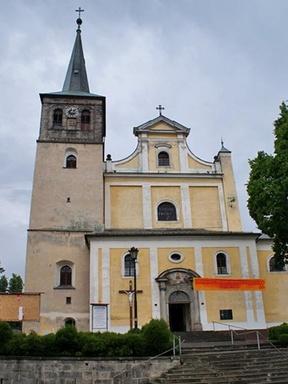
(81, 371)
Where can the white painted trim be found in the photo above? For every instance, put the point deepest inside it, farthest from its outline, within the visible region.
(194, 157)
(260, 313)
(106, 280)
(162, 241)
(183, 156)
(198, 258)
(107, 199)
(247, 294)
(165, 184)
(147, 205)
(155, 294)
(254, 259)
(144, 157)
(244, 262)
(94, 278)
(182, 257)
(222, 208)
(129, 157)
(186, 207)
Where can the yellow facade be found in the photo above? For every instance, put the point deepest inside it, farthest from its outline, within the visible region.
(179, 211)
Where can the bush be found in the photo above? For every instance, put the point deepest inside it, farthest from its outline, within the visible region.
(283, 339)
(6, 335)
(157, 336)
(153, 339)
(275, 332)
(6, 332)
(67, 341)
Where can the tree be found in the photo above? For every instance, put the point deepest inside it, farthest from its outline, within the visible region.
(15, 284)
(3, 283)
(2, 270)
(268, 190)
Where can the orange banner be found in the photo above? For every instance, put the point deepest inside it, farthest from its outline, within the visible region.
(211, 284)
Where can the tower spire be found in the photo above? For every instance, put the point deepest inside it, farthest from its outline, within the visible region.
(76, 77)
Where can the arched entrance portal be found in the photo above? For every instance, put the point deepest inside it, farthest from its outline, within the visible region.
(179, 303)
(179, 311)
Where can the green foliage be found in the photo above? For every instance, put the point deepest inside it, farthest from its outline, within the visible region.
(275, 332)
(268, 190)
(2, 270)
(3, 283)
(6, 335)
(283, 339)
(154, 338)
(15, 284)
(67, 341)
(157, 336)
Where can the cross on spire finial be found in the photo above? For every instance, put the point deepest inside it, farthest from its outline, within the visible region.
(79, 10)
(160, 108)
(79, 20)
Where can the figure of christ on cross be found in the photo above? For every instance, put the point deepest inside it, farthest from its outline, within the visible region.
(130, 295)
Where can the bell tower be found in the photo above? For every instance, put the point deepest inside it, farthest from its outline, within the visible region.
(67, 197)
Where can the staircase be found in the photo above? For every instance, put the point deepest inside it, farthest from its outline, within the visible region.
(205, 361)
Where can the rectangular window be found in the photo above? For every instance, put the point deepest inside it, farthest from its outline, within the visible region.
(226, 314)
(68, 300)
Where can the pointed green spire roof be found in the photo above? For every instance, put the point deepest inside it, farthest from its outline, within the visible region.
(76, 77)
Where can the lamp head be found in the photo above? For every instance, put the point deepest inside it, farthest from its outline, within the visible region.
(133, 252)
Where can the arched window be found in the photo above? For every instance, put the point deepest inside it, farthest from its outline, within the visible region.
(70, 322)
(129, 265)
(166, 212)
(275, 267)
(163, 159)
(85, 119)
(71, 161)
(221, 261)
(57, 116)
(66, 276)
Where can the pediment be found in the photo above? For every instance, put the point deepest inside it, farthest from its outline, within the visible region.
(161, 124)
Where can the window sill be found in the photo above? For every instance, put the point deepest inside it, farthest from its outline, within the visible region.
(64, 287)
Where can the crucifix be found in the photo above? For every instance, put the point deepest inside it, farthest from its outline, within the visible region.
(79, 10)
(130, 295)
(160, 109)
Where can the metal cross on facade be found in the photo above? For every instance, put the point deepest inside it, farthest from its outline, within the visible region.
(79, 10)
(160, 109)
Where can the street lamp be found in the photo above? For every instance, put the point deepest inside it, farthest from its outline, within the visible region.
(134, 253)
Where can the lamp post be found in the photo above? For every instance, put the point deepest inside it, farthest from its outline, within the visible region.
(134, 253)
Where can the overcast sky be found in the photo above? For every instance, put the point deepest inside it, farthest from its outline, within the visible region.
(219, 67)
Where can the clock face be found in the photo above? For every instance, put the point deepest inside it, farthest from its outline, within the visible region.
(72, 111)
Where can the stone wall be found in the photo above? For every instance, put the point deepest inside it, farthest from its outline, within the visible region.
(81, 371)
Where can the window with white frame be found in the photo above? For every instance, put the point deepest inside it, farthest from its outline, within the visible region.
(221, 263)
(163, 159)
(166, 211)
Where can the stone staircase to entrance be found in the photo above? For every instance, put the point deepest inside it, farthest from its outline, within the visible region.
(218, 362)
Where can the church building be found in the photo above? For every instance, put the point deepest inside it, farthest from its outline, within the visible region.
(196, 268)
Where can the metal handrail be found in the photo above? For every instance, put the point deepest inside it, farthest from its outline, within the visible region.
(228, 324)
(258, 333)
(174, 348)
